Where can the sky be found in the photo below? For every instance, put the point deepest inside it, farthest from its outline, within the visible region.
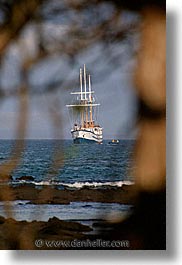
(111, 81)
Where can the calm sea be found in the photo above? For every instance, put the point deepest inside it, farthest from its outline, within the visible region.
(65, 165)
(62, 162)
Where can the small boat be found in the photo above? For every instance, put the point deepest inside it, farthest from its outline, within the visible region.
(114, 142)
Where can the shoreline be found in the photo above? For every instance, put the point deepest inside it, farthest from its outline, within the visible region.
(14, 234)
(52, 195)
(19, 235)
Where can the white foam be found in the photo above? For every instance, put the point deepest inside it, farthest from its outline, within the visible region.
(97, 184)
(43, 183)
(14, 203)
(79, 185)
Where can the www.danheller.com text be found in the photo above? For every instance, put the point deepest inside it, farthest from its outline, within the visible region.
(98, 243)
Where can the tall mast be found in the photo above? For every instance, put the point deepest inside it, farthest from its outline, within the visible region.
(85, 81)
(81, 85)
(81, 94)
(90, 98)
(89, 83)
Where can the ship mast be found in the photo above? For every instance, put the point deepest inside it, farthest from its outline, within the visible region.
(81, 86)
(81, 96)
(86, 103)
(85, 83)
(90, 99)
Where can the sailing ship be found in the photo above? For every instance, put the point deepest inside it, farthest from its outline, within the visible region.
(84, 108)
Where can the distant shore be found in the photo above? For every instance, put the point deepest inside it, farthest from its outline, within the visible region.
(51, 195)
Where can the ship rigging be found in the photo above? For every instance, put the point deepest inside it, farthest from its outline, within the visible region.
(85, 128)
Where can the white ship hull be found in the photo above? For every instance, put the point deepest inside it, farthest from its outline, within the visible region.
(87, 135)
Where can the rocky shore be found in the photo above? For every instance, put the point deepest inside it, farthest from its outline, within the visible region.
(48, 235)
(52, 195)
(40, 235)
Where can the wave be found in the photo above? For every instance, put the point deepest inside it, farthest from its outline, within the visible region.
(14, 203)
(78, 185)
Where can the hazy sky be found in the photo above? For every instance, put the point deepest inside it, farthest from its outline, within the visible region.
(116, 115)
(111, 81)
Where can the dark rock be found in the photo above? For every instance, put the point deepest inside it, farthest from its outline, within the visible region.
(13, 233)
(125, 195)
(26, 178)
(2, 220)
(71, 226)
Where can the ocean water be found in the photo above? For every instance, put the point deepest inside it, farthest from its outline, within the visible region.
(77, 211)
(92, 166)
(76, 166)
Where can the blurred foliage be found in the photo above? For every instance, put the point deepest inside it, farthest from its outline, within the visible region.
(35, 31)
(27, 35)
